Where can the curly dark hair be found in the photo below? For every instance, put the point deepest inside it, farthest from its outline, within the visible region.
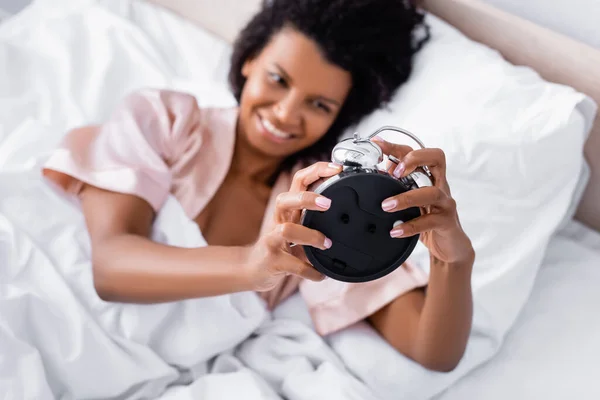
(374, 40)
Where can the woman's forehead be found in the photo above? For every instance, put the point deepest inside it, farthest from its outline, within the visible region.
(302, 59)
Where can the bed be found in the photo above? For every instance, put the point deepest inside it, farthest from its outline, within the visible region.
(68, 62)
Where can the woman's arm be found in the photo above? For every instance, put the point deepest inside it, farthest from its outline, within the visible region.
(129, 267)
(431, 329)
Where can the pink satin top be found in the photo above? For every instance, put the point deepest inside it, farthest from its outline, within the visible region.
(159, 142)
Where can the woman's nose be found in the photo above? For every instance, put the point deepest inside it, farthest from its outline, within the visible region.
(287, 110)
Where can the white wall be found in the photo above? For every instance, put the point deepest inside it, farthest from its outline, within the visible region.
(579, 19)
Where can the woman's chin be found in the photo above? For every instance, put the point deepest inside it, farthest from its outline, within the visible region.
(268, 148)
(274, 151)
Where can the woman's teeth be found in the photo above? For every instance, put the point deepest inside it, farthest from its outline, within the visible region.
(271, 128)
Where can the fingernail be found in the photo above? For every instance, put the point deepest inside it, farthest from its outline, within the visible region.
(334, 165)
(389, 204)
(323, 202)
(377, 139)
(328, 243)
(396, 233)
(399, 170)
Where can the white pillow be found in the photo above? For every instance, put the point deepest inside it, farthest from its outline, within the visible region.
(514, 148)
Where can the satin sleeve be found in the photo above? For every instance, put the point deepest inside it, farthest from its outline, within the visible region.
(134, 151)
(335, 305)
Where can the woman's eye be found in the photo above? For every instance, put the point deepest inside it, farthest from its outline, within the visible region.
(275, 77)
(322, 106)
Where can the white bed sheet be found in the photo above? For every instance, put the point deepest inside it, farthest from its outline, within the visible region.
(69, 62)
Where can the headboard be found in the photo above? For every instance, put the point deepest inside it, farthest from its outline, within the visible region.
(555, 57)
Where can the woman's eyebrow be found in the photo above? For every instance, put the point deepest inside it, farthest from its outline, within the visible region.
(289, 80)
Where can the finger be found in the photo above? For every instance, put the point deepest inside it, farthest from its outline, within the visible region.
(423, 197)
(293, 265)
(301, 235)
(422, 224)
(305, 177)
(434, 159)
(397, 150)
(395, 153)
(313, 186)
(290, 201)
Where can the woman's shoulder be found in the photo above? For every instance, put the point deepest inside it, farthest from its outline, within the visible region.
(156, 141)
(175, 113)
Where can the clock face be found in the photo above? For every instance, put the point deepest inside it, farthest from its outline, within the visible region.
(362, 249)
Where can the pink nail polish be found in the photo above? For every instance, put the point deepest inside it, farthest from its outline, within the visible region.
(323, 202)
(388, 204)
(396, 233)
(399, 170)
(328, 243)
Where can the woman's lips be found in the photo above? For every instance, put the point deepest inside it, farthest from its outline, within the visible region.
(268, 129)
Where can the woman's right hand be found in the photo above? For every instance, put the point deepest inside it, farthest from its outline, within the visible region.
(272, 257)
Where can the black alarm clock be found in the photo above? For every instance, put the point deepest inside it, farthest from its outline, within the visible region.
(359, 229)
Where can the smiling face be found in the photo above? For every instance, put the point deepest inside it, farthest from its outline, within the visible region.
(291, 96)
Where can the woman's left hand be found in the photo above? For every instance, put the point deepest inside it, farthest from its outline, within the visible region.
(439, 224)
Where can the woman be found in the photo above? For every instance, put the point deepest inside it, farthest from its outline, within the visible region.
(302, 71)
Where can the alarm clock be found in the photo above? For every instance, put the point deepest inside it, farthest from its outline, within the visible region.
(362, 249)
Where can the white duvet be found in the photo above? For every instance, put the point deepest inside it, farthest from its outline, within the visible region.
(65, 63)
(59, 340)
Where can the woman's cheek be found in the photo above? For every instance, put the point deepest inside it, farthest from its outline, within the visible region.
(315, 131)
(254, 92)
(321, 126)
